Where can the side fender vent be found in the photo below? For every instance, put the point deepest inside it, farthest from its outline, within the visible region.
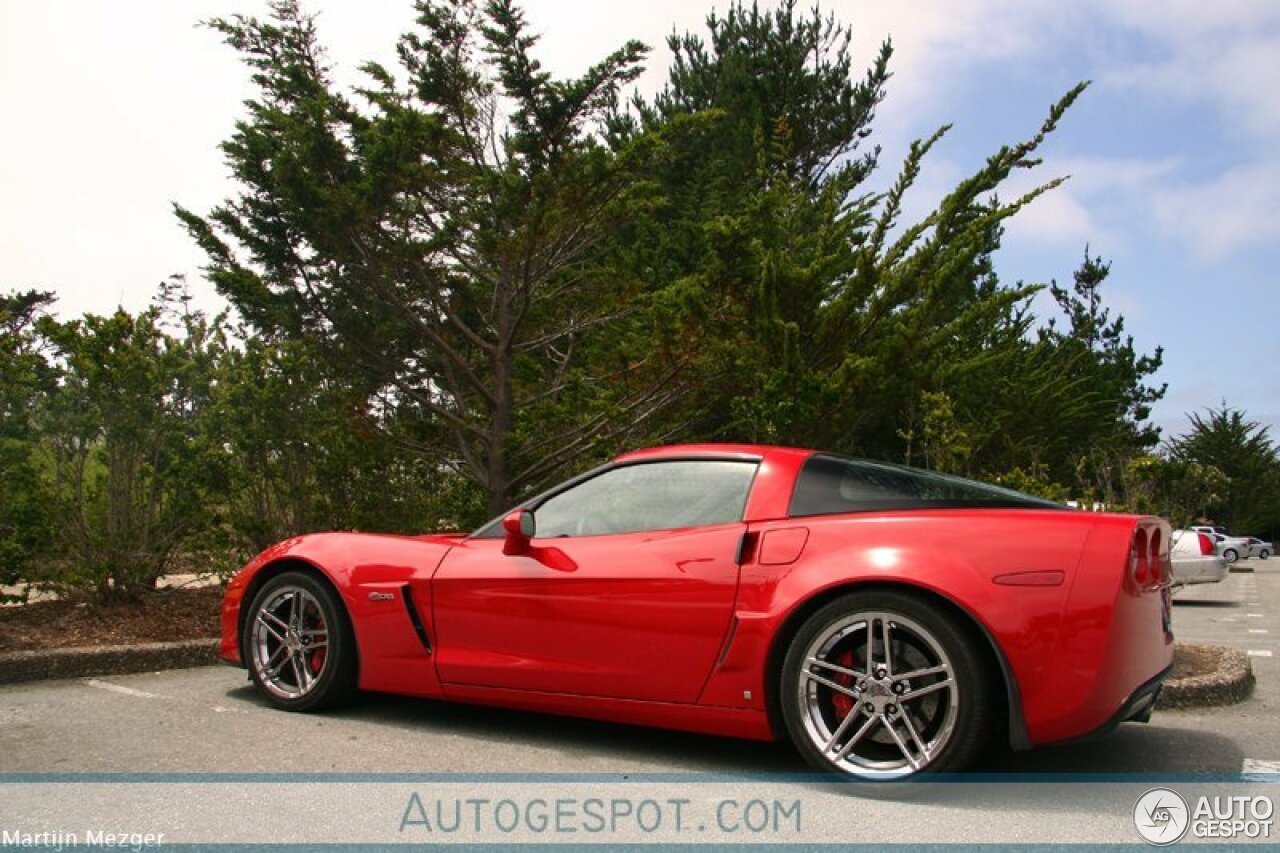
(414, 618)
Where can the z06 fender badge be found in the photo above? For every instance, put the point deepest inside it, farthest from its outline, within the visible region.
(382, 596)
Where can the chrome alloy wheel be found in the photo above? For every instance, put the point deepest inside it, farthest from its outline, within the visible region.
(290, 642)
(877, 695)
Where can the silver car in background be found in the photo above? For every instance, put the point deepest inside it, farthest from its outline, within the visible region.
(1194, 558)
(1260, 549)
(1231, 548)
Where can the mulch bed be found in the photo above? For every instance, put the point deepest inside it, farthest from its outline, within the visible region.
(1206, 675)
(162, 616)
(1194, 660)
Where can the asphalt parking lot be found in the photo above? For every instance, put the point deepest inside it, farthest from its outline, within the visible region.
(1242, 612)
(208, 721)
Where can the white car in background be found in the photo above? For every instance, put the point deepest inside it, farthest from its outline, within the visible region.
(1260, 549)
(1194, 558)
(1231, 548)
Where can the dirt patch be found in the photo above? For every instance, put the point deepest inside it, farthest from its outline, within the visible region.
(163, 616)
(1191, 661)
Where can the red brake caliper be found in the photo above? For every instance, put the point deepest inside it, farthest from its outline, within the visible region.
(316, 659)
(842, 703)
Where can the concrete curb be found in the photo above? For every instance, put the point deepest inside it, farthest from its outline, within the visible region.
(39, 664)
(1228, 680)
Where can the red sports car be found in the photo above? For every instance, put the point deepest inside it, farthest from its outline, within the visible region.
(888, 620)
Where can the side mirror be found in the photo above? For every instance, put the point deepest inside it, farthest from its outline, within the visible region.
(519, 527)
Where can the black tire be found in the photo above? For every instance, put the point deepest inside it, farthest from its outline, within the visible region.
(1231, 555)
(1264, 554)
(887, 726)
(309, 673)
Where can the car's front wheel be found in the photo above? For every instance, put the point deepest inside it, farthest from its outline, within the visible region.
(885, 686)
(298, 643)
(1231, 555)
(1264, 554)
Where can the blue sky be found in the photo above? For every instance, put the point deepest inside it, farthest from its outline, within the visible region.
(1175, 177)
(115, 110)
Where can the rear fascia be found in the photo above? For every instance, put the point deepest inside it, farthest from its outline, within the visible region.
(1115, 641)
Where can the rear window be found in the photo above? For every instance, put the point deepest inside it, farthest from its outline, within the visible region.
(829, 485)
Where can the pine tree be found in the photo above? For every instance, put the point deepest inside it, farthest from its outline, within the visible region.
(1242, 449)
(810, 312)
(437, 238)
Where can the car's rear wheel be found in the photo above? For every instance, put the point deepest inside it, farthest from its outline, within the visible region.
(299, 644)
(1231, 555)
(886, 686)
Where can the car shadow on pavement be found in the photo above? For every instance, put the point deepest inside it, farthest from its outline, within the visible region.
(1197, 603)
(1076, 773)
(671, 751)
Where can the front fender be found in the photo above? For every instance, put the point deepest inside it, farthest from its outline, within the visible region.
(383, 582)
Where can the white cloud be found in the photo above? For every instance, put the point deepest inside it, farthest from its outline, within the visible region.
(1095, 176)
(1236, 210)
(934, 45)
(111, 114)
(1099, 203)
(1221, 59)
(118, 112)
(1055, 218)
(1235, 76)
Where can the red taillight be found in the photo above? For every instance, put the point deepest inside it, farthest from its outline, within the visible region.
(1138, 568)
(1206, 544)
(1159, 567)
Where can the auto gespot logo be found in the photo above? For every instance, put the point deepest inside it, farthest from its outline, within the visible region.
(1163, 816)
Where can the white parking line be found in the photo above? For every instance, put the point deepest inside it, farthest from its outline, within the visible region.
(1259, 653)
(1254, 615)
(1254, 765)
(142, 694)
(118, 688)
(1258, 631)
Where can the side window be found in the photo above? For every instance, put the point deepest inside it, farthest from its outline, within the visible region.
(829, 485)
(650, 496)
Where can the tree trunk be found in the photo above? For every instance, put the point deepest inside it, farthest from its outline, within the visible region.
(499, 474)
